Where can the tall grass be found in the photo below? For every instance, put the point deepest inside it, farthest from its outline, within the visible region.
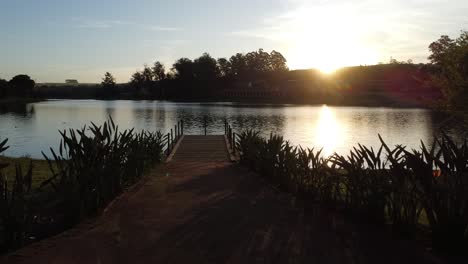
(388, 185)
(15, 203)
(91, 166)
(95, 163)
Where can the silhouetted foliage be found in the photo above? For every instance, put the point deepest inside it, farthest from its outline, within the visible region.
(238, 64)
(262, 76)
(224, 67)
(183, 69)
(159, 72)
(137, 82)
(387, 185)
(205, 68)
(109, 87)
(21, 85)
(450, 58)
(3, 87)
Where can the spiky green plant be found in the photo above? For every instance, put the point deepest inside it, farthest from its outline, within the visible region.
(390, 185)
(15, 202)
(95, 163)
(442, 174)
(404, 200)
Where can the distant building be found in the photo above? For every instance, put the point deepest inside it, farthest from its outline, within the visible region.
(71, 81)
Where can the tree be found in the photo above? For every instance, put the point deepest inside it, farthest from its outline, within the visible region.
(108, 82)
(450, 59)
(224, 67)
(238, 64)
(3, 87)
(183, 69)
(159, 72)
(205, 68)
(147, 74)
(137, 81)
(22, 85)
(278, 62)
(108, 85)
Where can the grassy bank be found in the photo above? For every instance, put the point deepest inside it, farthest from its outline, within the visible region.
(40, 168)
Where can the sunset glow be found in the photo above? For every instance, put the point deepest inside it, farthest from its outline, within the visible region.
(325, 42)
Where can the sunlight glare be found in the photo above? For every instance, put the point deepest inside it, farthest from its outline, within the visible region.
(328, 131)
(327, 43)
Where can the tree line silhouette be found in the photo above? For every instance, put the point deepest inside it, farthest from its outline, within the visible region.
(445, 78)
(201, 78)
(19, 86)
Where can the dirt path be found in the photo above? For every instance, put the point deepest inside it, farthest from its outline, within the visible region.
(216, 212)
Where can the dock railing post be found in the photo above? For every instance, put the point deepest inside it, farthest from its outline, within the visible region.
(233, 146)
(172, 137)
(168, 145)
(182, 126)
(205, 123)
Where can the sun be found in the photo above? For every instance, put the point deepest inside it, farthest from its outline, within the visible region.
(327, 44)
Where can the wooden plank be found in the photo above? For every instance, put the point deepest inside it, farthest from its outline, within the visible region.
(201, 148)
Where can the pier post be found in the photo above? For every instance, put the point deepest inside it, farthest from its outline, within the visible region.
(172, 136)
(168, 145)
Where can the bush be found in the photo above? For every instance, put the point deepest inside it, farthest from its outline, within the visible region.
(390, 185)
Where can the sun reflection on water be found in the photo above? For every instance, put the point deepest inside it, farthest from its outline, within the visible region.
(328, 131)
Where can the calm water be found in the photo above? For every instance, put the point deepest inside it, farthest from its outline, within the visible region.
(333, 128)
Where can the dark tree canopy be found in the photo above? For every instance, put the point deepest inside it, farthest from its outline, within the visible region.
(137, 81)
(205, 68)
(108, 81)
(183, 69)
(3, 87)
(159, 72)
(108, 85)
(203, 76)
(238, 64)
(224, 67)
(22, 85)
(278, 61)
(450, 58)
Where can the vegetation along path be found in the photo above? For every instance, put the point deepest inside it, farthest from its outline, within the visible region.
(202, 208)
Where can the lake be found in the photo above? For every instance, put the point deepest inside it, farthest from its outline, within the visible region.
(336, 129)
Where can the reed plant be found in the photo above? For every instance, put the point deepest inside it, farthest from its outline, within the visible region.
(15, 203)
(95, 163)
(388, 185)
(442, 174)
(91, 166)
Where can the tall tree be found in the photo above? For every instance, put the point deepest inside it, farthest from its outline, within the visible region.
(238, 64)
(224, 67)
(183, 69)
(108, 81)
(3, 87)
(159, 72)
(108, 84)
(278, 62)
(205, 67)
(137, 81)
(22, 85)
(450, 58)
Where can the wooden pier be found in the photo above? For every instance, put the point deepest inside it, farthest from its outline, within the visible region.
(200, 149)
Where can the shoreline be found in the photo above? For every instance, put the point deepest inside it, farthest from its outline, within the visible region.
(248, 102)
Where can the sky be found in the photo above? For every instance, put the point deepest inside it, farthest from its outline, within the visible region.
(54, 40)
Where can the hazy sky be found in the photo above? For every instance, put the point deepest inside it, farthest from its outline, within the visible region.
(54, 40)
